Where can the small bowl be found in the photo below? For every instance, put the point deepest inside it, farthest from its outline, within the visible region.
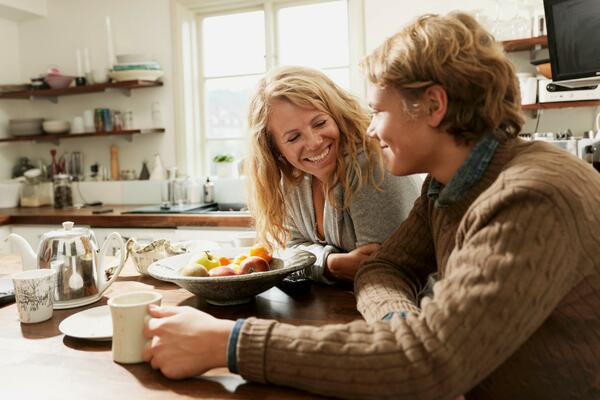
(56, 126)
(235, 289)
(58, 81)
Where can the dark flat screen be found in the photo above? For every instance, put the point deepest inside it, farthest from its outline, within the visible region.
(574, 37)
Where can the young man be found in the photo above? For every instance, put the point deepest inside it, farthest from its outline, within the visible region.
(508, 226)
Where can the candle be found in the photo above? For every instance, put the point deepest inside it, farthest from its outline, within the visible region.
(79, 70)
(109, 44)
(86, 61)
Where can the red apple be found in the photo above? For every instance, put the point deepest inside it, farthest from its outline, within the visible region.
(253, 264)
(223, 270)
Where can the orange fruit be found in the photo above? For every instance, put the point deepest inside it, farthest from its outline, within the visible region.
(259, 250)
(224, 260)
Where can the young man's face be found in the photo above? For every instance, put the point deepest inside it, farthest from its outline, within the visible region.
(408, 144)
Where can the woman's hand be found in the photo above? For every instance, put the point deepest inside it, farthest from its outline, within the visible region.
(343, 266)
(185, 341)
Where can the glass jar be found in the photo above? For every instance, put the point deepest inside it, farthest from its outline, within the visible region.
(22, 165)
(63, 192)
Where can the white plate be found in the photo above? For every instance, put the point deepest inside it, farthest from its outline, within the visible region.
(93, 324)
(141, 74)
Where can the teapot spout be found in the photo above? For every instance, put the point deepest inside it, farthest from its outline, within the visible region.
(28, 256)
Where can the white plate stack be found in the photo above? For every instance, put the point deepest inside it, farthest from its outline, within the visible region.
(136, 67)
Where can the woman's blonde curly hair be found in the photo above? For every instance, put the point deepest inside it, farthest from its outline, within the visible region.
(271, 175)
(456, 52)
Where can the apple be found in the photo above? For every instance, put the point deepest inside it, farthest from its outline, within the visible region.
(253, 264)
(193, 269)
(208, 260)
(223, 270)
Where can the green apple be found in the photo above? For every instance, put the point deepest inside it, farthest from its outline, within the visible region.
(208, 260)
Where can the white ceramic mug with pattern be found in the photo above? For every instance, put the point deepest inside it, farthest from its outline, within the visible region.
(34, 294)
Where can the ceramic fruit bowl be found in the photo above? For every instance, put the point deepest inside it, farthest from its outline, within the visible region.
(58, 81)
(56, 126)
(233, 289)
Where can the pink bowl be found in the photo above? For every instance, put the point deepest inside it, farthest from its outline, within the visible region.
(58, 81)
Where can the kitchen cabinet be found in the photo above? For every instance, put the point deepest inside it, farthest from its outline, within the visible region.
(52, 95)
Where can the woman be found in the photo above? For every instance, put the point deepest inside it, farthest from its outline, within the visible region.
(509, 226)
(317, 181)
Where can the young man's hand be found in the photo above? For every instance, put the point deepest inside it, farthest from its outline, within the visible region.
(185, 342)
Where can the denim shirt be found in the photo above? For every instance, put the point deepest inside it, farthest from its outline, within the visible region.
(467, 175)
(445, 196)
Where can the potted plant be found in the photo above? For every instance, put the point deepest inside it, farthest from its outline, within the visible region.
(224, 165)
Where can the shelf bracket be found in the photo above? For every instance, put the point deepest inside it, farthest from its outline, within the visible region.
(51, 99)
(126, 92)
(54, 141)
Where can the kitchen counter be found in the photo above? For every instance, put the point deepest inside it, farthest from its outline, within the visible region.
(116, 218)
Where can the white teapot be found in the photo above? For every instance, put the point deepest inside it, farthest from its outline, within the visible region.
(80, 266)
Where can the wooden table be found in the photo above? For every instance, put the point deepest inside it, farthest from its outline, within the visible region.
(38, 362)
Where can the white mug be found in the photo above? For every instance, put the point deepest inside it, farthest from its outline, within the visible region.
(88, 121)
(528, 86)
(77, 125)
(129, 312)
(34, 294)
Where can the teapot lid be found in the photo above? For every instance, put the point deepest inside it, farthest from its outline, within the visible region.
(68, 231)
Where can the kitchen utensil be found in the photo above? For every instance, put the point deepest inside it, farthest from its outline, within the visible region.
(235, 289)
(129, 312)
(33, 293)
(58, 81)
(25, 127)
(77, 126)
(144, 75)
(9, 194)
(91, 324)
(56, 126)
(114, 162)
(70, 252)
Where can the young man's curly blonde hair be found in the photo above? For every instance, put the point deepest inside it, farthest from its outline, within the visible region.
(271, 175)
(456, 52)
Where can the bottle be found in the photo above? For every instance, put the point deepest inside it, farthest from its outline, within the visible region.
(114, 162)
(145, 174)
(209, 191)
(158, 172)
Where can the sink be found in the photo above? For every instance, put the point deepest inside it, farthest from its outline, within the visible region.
(224, 209)
(212, 209)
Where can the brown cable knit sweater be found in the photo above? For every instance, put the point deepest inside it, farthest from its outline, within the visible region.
(515, 314)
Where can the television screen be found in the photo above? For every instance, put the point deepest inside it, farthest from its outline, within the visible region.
(574, 39)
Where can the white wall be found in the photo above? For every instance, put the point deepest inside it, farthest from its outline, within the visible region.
(384, 17)
(9, 73)
(139, 26)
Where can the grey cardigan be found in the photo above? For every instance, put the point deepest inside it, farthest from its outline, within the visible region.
(371, 217)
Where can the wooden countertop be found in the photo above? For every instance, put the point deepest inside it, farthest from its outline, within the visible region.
(116, 218)
(39, 362)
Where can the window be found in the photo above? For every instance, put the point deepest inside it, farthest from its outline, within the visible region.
(236, 47)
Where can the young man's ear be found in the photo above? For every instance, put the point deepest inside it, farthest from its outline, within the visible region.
(436, 101)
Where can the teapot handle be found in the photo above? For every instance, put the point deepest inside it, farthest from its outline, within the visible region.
(112, 237)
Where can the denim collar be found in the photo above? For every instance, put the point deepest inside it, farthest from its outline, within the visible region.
(467, 175)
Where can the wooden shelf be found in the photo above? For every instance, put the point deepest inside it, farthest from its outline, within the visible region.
(52, 94)
(56, 138)
(561, 104)
(525, 44)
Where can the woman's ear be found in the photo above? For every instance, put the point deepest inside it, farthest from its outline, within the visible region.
(437, 104)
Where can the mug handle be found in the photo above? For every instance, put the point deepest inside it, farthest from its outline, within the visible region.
(123, 256)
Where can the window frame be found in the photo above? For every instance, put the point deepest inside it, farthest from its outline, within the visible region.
(190, 99)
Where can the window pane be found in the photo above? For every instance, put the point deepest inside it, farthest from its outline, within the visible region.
(226, 51)
(314, 35)
(340, 76)
(237, 148)
(227, 105)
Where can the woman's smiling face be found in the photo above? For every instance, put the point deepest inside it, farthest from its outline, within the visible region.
(307, 138)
